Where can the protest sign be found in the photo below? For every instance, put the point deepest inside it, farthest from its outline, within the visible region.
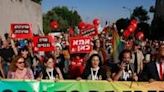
(80, 44)
(21, 30)
(43, 43)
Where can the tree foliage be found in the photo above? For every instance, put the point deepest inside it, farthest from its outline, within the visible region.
(122, 23)
(141, 14)
(157, 28)
(63, 15)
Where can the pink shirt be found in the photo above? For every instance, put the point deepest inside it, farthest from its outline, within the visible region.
(26, 73)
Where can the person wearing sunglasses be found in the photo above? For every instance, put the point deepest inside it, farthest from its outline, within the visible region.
(19, 70)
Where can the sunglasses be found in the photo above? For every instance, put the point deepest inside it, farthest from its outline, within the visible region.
(20, 62)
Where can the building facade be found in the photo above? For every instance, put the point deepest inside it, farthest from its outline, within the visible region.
(20, 11)
(158, 21)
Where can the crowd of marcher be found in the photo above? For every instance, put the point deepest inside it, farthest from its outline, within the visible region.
(137, 60)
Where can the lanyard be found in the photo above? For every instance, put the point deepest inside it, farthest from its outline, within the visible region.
(94, 76)
(50, 74)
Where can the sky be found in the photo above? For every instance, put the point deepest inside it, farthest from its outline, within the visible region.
(105, 10)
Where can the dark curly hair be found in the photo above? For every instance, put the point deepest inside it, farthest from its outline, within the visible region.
(47, 57)
(89, 61)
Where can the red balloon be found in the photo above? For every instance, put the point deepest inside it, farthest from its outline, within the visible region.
(126, 34)
(54, 24)
(89, 26)
(81, 25)
(140, 35)
(133, 25)
(71, 31)
(96, 22)
(133, 21)
(131, 28)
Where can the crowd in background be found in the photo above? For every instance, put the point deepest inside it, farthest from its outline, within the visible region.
(137, 60)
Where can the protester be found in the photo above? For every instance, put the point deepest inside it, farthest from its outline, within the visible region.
(24, 52)
(147, 52)
(51, 71)
(76, 67)
(125, 69)
(154, 70)
(60, 60)
(137, 58)
(67, 62)
(37, 67)
(97, 46)
(93, 69)
(7, 52)
(19, 69)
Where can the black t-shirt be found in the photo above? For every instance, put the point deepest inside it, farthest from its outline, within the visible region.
(101, 72)
(45, 74)
(60, 62)
(7, 54)
(38, 70)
